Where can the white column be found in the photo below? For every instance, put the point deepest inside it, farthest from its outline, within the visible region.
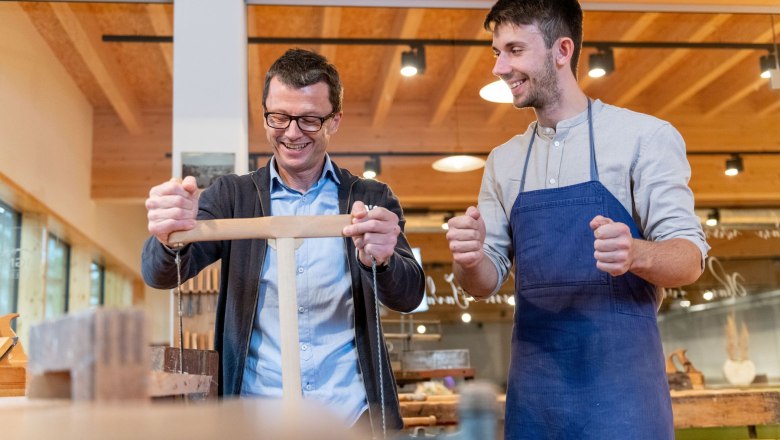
(210, 80)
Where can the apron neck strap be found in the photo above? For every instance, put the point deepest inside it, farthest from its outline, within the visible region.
(594, 169)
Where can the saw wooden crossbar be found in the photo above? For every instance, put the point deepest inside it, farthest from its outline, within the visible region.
(304, 226)
(283, 233)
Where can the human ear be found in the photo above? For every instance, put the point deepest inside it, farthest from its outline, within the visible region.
(563, 50)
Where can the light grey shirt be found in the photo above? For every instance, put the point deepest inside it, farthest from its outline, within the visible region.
(641, 161)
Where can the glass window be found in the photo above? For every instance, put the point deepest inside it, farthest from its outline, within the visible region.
(97, 285)
(10, 227)
(57, 265)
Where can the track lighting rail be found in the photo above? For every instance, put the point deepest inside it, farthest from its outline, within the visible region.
(452, 42)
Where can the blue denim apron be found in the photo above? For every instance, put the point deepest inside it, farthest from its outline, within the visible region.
(587, 361)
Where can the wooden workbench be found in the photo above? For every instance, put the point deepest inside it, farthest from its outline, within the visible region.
(692, 408)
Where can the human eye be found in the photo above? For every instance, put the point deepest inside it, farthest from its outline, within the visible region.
(310, 122)
(278, 118)
(516, 50)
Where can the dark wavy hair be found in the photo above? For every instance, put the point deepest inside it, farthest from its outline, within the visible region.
(300, 68)
(554, 18)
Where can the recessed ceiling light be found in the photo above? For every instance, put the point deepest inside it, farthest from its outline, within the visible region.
(497, 91)
(458, 164)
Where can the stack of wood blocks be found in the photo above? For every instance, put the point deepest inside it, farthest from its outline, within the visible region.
(97, 354)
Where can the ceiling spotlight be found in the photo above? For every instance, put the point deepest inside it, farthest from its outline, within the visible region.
(413, 61)
(601, 63)
(713, 218)
(497, 91)
(511, 301)
(466, 317)
(734, 165)
(421, 329)
(708, 295)
(372, 168)
(458, 164)
(768, 62)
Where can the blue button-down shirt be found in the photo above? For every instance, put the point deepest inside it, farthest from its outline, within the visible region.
(329, 364)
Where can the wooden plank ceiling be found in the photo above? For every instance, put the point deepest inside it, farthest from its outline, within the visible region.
(715, 97)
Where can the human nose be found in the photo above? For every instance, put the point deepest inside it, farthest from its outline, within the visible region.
(501, 67)
(293, 130)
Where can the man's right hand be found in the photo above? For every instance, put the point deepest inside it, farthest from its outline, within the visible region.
(466, 235)
(172, 206)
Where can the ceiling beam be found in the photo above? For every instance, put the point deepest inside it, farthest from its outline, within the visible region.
(331, 22)
(86, 38)
(498, 113)
(716, 72)
(636, 29)
(162, 25)
(766, 111)
(464, 61)
(677, 56)
(407, 24)
(733, 97)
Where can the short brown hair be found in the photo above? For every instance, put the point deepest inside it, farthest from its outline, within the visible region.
(300, 68)
(554, 18)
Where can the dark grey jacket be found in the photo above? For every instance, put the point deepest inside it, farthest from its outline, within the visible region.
(400, 284)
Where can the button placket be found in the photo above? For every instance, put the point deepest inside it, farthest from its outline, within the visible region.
(554, 159)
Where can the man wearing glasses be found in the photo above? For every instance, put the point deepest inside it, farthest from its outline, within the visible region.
(302, 99)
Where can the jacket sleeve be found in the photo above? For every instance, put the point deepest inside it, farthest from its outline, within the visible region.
(158, 262)
(401, 284)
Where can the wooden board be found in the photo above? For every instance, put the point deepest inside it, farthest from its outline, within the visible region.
(727, 407)
(417, 376)
(692, 408)
(12, 381)
(162, 384)
(196, 362)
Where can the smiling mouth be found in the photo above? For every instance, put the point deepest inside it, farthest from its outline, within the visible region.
(296, 147)
(515, 84)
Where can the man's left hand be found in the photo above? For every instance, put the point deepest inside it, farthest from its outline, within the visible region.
(374, 232)
(614, 245)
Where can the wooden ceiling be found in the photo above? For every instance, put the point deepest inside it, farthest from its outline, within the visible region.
(715, 97)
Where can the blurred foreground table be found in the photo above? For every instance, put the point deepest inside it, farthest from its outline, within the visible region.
(22, 418)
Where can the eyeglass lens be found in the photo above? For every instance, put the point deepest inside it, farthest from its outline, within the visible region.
(305, 123)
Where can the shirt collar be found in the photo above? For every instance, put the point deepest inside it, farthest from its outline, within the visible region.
(582, 117)
(327, 171)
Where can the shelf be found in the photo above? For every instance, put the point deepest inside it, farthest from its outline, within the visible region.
(423, 375)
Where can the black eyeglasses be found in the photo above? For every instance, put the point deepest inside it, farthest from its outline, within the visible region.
(309, 124)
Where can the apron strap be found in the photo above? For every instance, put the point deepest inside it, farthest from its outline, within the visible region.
(594, 169)
(528, 155)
